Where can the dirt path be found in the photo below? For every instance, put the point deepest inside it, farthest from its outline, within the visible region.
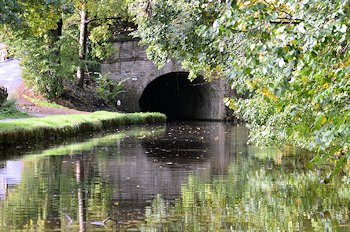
(11, 78)
(27, 106)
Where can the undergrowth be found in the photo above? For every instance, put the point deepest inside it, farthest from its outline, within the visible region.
(9, 110)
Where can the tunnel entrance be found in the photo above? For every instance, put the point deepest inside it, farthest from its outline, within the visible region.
(177, 97)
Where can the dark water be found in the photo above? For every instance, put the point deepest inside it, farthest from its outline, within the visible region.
(182, 177)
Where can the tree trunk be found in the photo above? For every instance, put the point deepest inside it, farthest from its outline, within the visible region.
(53, 217)
(57, 32)
(55, 37)
(82, 45)
(79, 172)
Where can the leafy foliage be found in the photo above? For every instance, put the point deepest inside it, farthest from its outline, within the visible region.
(41, 69)
(100, 42)
(288, 58)
(45, 37)
(8, 10)
(36, 39)
(108, 89)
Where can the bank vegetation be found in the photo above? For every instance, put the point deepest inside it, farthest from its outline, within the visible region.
(23, 132)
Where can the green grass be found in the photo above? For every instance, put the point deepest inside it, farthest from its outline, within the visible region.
(43, 103)
(9, 110)
(32, 130)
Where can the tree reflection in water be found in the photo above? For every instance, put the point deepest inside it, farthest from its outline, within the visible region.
(261, 192)
(143, 183)
(62, 189)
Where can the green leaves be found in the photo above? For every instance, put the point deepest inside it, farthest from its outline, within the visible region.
(289, 59)
(46, 34)
(99, 38)
(108, 89)
(8, 12)
(320, 121)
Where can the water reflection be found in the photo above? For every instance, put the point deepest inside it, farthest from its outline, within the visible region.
(185, 177)
(160, 164)
(10, 175)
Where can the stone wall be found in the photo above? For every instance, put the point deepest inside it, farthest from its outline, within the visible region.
(131, 65)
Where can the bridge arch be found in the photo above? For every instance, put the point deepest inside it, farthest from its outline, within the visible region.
(145, 85)
(176, 96)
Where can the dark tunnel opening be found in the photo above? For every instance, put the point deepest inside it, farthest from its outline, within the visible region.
(177, 97)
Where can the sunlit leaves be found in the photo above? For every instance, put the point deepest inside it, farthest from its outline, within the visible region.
(45, 37)
(99, 37)
(288, 58)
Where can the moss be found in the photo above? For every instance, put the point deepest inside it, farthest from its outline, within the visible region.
(33, 130)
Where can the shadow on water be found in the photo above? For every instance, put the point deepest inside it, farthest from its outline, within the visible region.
(192, 176)
(195, 146)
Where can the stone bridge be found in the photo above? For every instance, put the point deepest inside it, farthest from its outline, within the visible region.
(165, 90)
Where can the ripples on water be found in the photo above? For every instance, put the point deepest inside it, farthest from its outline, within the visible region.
(183, 177)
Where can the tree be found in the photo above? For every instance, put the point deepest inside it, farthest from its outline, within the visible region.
(36, 38)
(287, 59)
(52, 38)
(83, 34)
(8, 10)
(96, 19)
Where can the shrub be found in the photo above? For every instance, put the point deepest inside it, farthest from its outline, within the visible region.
(108, 89)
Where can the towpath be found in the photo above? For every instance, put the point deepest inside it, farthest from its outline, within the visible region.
(11, 78)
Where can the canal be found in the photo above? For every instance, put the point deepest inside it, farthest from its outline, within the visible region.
(194, 176)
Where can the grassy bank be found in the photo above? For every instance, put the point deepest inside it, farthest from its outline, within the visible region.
(33, 130)
(9, 110)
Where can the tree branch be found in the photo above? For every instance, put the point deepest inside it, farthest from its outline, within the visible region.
(109, 18)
